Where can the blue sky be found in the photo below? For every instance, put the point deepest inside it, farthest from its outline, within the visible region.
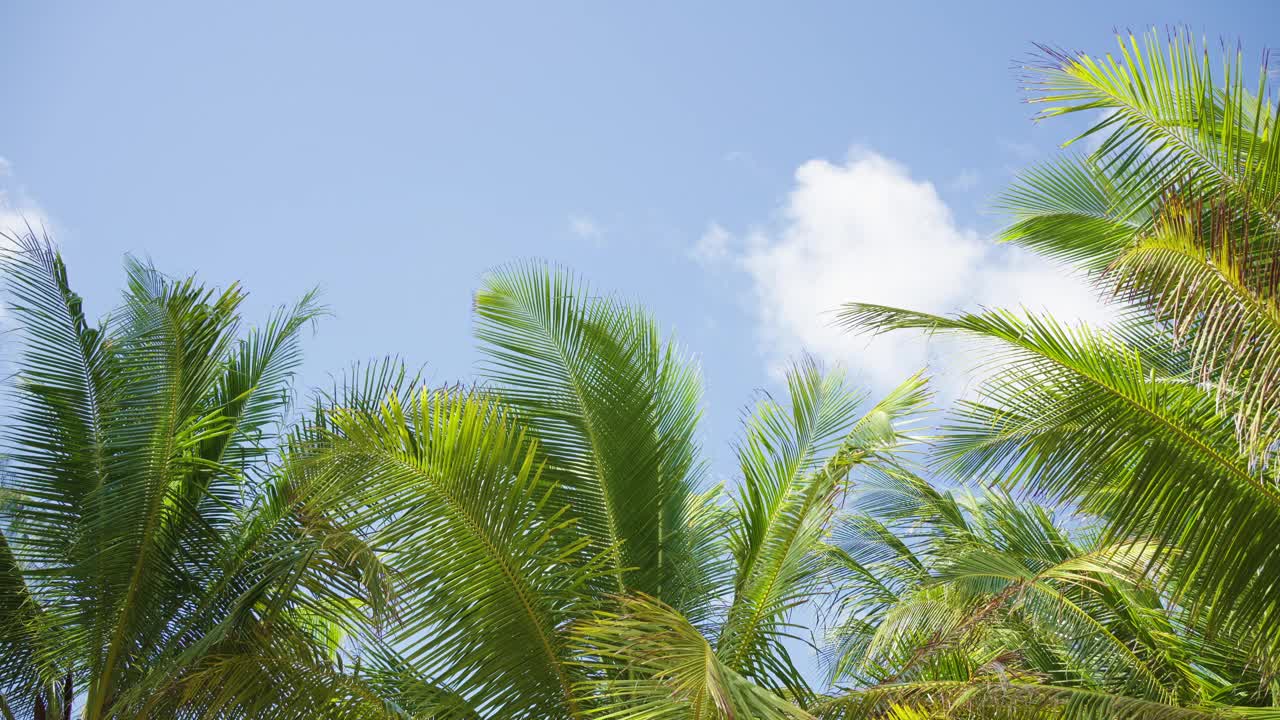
(735, 167)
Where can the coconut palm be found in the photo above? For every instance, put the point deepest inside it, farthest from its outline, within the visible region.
(963, 604)
(157, 557)
(544, 544)
(548, 544)
(562, 553)
(1163, 425)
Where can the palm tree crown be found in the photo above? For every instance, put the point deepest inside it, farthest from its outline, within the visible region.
(173, 548)
(1162, 426)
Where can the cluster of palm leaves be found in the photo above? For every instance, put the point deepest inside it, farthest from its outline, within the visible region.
(1157, 433)
(541, 545)
(1098, 537)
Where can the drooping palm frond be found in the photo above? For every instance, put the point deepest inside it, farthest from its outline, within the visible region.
(491, 569)
(1199, 280)
(615, 408)
(1081, 414)
(934, 586)
(647, 662)
(287, 676)
(407, 693)
(890, 617)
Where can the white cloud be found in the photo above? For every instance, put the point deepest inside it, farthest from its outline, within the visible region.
(713, 247)
(1092, 143)
(866, 231)
(744, 162)
(1023, 151)
(967, 180)
(585, 227)
(18, 212)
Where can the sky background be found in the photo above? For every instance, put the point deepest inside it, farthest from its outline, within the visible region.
(738, 168)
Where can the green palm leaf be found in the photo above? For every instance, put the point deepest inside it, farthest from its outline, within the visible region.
(1169, 121)
(148, 541)
(1078, 413)
(795, 462)
(492, 568)
(615, 409)
(649, 663)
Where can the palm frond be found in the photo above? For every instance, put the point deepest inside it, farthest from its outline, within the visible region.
(1202, 283)
(994, 697)
(615, 408)
(1167, 121)
(647, 662)
(491, 569)
(131, 542)
(795, 462)
(1070, 210)
(1080, 414)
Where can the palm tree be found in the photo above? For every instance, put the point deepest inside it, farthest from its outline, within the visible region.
(970, 603)
(157, 556)
(547, 543)
(1163, 425)
(562, 554)
(544, 544)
